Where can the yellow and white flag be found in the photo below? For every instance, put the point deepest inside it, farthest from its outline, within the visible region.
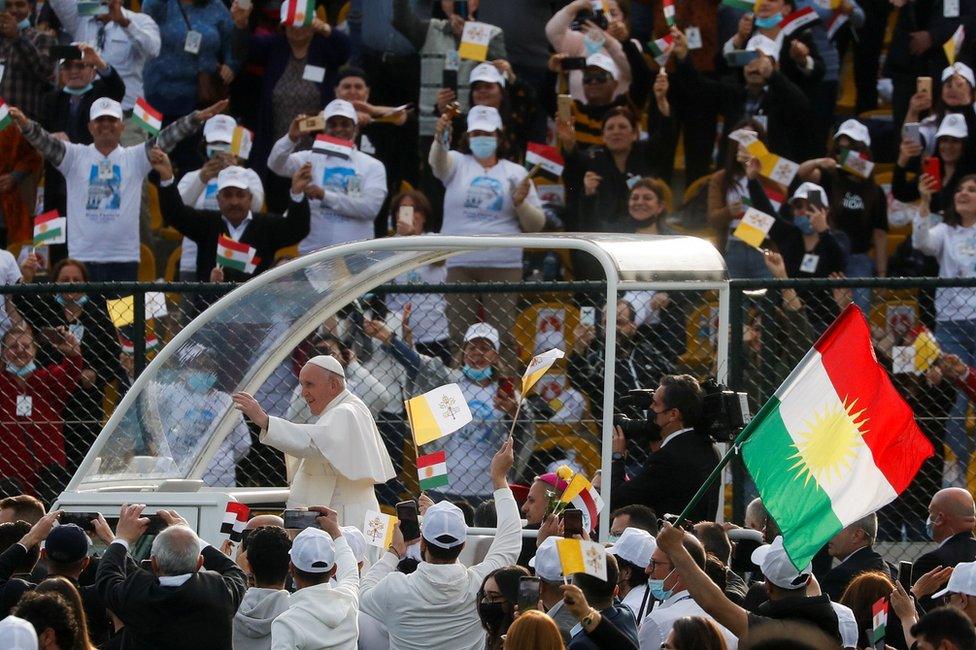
(954, 44)
(122, 310)
(474, 41)
(539, 365)
(578, 556)
(754, 227)
(773, 167)
(437, 413)
(378, 528)
(576, 485)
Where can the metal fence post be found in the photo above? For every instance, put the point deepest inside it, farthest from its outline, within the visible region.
(139, 331)
(736, 366)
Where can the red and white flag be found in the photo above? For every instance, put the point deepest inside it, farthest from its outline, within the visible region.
(328, 145)
(235, 518)
(798, 20)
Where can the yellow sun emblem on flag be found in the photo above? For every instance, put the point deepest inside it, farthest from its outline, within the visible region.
(827, 446)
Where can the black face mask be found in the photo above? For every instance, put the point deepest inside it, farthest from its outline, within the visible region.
(492, 614)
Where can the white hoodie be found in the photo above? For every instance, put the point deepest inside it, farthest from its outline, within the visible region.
(323, 616)
(252, 623)
(435, 606)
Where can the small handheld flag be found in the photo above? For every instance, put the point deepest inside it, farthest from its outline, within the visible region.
(578, 556)
(432, 470)
(298, 13)
(954, 44)
(122, 310)
(49, 228)
(581, 494)
(879, 621)
(798, 20)
(378, 528)
(857, 164)
(236, 255)
(660, 49)
(326, 144)
(437, 413)
(474, 41)
(235, 518)
(669, 12)
(548, 159)
(754, 227)
(241, 141)
(538, 367)
(147, 117)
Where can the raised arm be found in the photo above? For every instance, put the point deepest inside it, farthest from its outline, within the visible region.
(50, 148)
(507, 545)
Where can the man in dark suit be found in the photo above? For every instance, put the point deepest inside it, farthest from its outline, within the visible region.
(177, 605)
(264, 233)
(680, 462)
(952, 516)
(852, 547)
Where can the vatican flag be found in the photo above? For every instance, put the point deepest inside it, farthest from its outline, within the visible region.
(437, 413)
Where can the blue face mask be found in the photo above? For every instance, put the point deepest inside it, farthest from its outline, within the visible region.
(803, 223)
(22, 371)
(657, 588)
(24, 24)
(593, 45)
(201, 382)
(612, 539)
(483, 146)
(929, 527)
(78, 91)
(62, 300)
(477, 374)
(770, 22)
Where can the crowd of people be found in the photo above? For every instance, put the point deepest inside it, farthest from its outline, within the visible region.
(235, 121)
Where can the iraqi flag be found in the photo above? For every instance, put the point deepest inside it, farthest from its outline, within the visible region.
(548, 159)
(836, 441)
(798, 20)
(328, 145)
(235, 518)
(581, 494)
(236, 255)
(147, 117)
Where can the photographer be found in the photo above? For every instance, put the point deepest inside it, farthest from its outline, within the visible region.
(681, 460)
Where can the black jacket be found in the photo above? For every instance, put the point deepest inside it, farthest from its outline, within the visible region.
(670, 477)
(816, 611)
(266, 232)
(862, 560)
(958, 548)
(198, 614)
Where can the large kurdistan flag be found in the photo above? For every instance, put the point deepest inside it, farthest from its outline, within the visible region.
(834, 443)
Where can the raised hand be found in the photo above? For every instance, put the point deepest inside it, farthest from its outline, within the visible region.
(246, 404)
(205, 114)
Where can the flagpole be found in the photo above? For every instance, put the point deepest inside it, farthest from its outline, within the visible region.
(518, 407)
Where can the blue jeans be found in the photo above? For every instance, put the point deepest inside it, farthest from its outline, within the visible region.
(744, 261)
(958, 337)
(113, 271)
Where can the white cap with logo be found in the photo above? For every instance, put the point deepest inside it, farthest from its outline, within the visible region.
(356, 540)
(486, 72)
(233, 176)
(962, 70)
(484, 118)
(482, 331)
(105, 106)
(219, 128)
(328, 362)
(546, 561)
(444, 526)
(954, 126)
(808, 188)
(777, 567)
(340, 108)
(634, 545)
(855, 131)
(764, 44)
(313, 551)
(962, 581)
(604, 62)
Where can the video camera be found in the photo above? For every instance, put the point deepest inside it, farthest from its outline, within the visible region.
(724, 412)
(597, 16)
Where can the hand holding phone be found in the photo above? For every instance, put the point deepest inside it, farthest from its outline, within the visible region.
(296, 519)
(932, 167)
(409, 520)
(910, 131)
(572, 522)
(528, 593)
(564, 108)
(905, 575)
(924, 85)
(81, 519)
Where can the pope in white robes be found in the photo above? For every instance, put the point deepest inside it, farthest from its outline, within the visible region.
(341, 455)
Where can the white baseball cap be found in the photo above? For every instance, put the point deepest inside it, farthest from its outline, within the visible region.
(954, 126)
(855, 131)
(634, 545)
(804, 191)
(486, 72)
(962, 70)
(604, 62)
(17, 634)
(484, 118)
(105, 106)
(764, 44)
(962, 581)
(546, 561)
(341, 108)
(444, 526)
(233, 176)
(219, 128)
(356, 540)
(313, 551)
(328, 362)
(482, 331)
(777, 567)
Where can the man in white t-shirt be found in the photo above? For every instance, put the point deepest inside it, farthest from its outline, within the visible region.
(348, 191)
(104, 184)
(198, 188)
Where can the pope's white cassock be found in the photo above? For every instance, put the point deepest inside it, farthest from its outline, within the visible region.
(341, 458)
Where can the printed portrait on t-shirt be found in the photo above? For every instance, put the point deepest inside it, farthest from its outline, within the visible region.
(104, 194)
(485, 193)
(336, 179)
(210, 197)
(966, 249)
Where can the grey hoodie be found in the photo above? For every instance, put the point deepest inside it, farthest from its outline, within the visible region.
(252, 623)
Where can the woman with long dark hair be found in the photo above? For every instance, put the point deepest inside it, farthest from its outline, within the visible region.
(694, 633)
(497, 598)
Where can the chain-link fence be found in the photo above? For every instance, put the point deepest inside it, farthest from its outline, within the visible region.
(53, 405)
